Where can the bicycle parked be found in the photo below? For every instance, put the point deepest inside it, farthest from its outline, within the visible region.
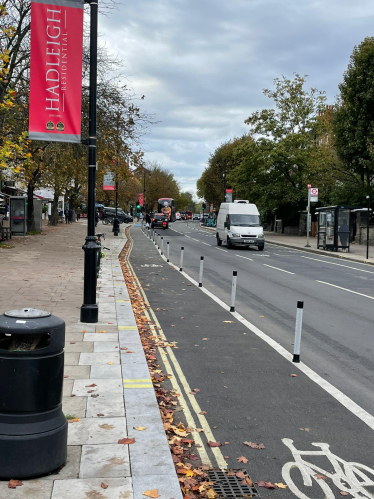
(100, 254)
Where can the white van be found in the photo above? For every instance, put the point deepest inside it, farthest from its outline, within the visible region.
(239, 223)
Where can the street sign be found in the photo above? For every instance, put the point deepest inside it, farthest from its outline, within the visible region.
(309, 186)
(108, 182)
(228, 196)
(313, 195)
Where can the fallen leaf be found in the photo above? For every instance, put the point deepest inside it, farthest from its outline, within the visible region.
(141, 428)
(83, 331)
(228, 321)
(281, 485)
(253, 445)
(203, 412)
(104, 485)
(151, 493)
(293, 375)
(304, 429)
(110, 363)
(214, 444)
(211, 494)
(14, 483)
(100, 415)
(205, 339)
(74, 420)
(90, 386)
(226, 457)
(126, 441)
(242, 459)
(269, 485)
(320, 477)
(344, 493)
(66, 376)
(262, 316)
(240, 474)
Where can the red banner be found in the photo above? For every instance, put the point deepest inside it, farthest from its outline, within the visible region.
(56, 70)
(141, 199)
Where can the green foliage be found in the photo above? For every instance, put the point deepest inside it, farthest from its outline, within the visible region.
(354, 121)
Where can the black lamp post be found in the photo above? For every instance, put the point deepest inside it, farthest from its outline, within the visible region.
(89, 309)
(149, 176)
(116, 228)
(367, 227)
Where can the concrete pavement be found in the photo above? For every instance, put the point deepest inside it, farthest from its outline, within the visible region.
(46, 272)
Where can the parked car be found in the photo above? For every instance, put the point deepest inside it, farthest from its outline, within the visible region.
(110, 212)
(196, 216)
(160, 220)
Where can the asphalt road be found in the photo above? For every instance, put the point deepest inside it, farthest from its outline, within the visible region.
(338, 333)
(245, 385)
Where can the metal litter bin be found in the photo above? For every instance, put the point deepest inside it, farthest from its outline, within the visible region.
(33, 429)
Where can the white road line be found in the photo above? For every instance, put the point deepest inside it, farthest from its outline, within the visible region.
(240, 256)
(338, 264)
(220, 249)
(345, 401)
(345, 289)
(276, 268)
(206, 244)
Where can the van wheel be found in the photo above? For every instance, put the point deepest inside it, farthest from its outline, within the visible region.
(219, 241)
(229, 243)
(261, 248)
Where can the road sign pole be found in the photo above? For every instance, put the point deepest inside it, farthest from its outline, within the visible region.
(308, 220)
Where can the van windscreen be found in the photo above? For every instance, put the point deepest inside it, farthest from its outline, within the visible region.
(245, 220)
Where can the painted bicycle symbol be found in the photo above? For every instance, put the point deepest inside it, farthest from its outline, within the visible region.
(347, 476)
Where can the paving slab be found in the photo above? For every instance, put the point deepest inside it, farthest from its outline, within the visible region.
(90, 488)
(31, 489)
(67, 387)
(92, 359)
(97, 431)
(102, 372)
(106, 346)
(110, 460)
(71, 359)
(77, 372)
(110, 404)
(82, 388)
(70, 468)
(100, 337)
(166, 486)
(74, 406)
(80, 346)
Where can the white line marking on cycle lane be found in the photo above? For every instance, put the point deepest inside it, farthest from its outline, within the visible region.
(345, 289)
(276, 268)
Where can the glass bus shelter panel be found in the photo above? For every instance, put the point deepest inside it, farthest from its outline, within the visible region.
(343, 228)
(330, 228)
(321, 229)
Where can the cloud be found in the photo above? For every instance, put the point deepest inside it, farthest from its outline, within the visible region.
(202, 64)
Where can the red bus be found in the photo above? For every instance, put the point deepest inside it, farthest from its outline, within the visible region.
(167, 207)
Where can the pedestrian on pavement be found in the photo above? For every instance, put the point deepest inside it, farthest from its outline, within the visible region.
(70, 216)
(148, 219)
(78, 213)
(344, 233)
(66, 216)
(6, 211)
(97, 218)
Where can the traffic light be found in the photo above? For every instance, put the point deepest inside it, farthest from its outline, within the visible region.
(203, 206)
(138, 207)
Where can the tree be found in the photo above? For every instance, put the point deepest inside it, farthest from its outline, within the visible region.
(184, 202)
(354, 121)
(161, 184)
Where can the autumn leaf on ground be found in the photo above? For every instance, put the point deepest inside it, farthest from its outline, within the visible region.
(104, 485)
(211, 494)
(320, 477)
(151, 493)
(74, 420)
(242, 459)
(214, 444)
(281, 485)
(293, 375)
(14, 483)
(228, 321)
(126, 441)
(90, 386)
(141, 428)
(269, 485)
(253, 445)
(240, 474)
(101, 331)
(203, 412)
(304, 429)
(110, 363)
(344, 493)
(100, 415)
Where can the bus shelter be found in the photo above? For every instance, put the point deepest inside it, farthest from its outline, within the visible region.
(334, 227)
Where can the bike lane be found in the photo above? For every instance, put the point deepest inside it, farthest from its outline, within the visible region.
(249, 395)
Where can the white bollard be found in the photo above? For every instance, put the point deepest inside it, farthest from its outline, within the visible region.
(181, 262)
(201, 272)
(162, 245)
(298, 327)
(153, 235)
(167, 251)
(233, 290)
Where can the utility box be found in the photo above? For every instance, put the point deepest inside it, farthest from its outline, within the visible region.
(33, 429)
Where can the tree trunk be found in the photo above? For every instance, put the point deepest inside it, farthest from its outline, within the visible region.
(54, 212)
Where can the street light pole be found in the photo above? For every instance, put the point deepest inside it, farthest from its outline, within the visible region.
(116, 221)
(367, 227)
(89, 309)
(308, 220)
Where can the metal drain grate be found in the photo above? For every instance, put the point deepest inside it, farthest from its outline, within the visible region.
(228, 486)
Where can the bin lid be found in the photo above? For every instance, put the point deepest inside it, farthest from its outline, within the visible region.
(32, 313)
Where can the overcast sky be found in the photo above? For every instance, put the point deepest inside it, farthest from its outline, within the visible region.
(202, 64)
